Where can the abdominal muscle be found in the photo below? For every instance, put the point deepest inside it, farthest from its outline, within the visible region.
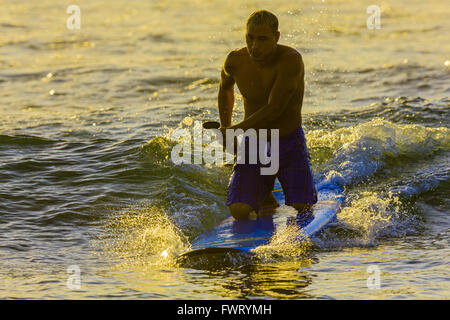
(289, 121)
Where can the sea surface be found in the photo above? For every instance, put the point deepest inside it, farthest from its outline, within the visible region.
(88, 190)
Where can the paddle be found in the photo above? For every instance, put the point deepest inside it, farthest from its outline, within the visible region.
(216, 125)
(211, 125)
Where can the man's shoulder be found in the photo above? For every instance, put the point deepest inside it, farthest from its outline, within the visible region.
(288, 54)
(234, 57)
(236, 54)
(289, 58)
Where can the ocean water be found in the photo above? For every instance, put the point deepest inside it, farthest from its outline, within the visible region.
(87, 184)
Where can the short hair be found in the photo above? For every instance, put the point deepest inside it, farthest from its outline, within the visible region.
(263, 17)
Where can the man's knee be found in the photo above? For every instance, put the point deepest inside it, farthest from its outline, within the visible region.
(301, 207)
(240, 210)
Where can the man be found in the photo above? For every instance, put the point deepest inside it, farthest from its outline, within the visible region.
(270, 79)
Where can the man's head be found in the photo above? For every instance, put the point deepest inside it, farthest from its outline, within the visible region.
(262, 34)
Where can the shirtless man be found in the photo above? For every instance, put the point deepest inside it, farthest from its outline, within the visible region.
(270, 78)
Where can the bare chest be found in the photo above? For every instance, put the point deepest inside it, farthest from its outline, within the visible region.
(255, 84)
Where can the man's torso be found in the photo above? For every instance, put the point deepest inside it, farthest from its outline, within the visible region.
(255, 84)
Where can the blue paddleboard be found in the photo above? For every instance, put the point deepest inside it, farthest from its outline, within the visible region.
(244, 235)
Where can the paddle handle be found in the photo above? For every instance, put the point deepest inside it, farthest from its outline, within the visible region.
(211, 125)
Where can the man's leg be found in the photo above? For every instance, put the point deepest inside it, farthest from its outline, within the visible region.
(269, 204)
(250, 191)
(240, 210)
(295, 174)
(244, 191)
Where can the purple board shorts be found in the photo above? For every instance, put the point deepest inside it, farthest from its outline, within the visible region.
(247, 185)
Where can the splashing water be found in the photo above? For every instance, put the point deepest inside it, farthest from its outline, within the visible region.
(143, 236)
(368, 218)
(358, 152)
(288, 243)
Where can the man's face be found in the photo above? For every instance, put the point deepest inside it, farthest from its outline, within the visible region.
(261, 41)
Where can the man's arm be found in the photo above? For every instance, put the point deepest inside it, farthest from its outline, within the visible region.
(289, 77)
(226, 93)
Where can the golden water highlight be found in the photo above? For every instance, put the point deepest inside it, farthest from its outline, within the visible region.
(289, 243)
(144, 236)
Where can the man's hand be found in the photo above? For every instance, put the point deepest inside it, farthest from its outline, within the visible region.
(234, 146)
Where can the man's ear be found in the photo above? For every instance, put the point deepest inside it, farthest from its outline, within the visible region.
(278, 35)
